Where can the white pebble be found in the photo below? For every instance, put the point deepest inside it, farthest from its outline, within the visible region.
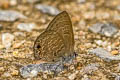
(109, 48)
(10, 15)
(7, 39)
(47, 9)
(99, 42)
(73, 76)
(13, 2)
(26, 26)
(6, 74)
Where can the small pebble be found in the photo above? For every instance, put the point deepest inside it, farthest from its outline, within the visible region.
(14, 72)
(88, 45)
(107, 29)
(26, 26)
(116, 16)
(2, 69)
(10, 15)
(33, 1)
(73, 76)
(81, 1)
(6, 75)
(117, 43)
(61, 78)
(17, 45)
(82, 24)
(47, 9)
(99, 42)
(109, 48)
(85, 77)
(4, 4)
(1, 46)
(117, 78)
(102, 15)
(15, 53)
(114, 52)
(118, 7)
(7, 39)
(89, 15)
(90, 68)
(13, 2)
(104, 54)
(19, 34)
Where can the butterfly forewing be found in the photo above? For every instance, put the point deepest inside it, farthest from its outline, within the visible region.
(63, 25)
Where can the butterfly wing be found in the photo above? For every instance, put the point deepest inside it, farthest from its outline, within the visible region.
(49, 46)
(63, 26)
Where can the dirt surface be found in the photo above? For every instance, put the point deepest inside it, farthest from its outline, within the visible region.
(83, 13)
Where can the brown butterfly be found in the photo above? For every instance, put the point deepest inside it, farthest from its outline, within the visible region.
(56, 41)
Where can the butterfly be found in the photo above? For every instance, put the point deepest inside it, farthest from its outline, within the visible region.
(56, 41)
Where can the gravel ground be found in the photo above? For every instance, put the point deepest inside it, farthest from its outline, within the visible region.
(96, 33)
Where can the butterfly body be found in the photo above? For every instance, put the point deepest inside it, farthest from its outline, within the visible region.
(56, 41)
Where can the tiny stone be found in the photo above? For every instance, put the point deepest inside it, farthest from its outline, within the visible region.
(90, 68)
(88, 45)
(81, 1)
(29, 71)
(7, 39)
(13, 2)
(114, 52)
(1, 46)
(73, 76)
(89, 15)
(117, 78)
(98, 37)
(102, 15)
(94, 45)
(118, 7)
(26, 26)
(32, 1)
(103, 54)
(82, 24)
(2, 69)
(109, 48)
(15, 72)
(116, 16)
(17, 45)
(15, 53)
(105, 43)
(47, 9)
(6, 75)
(107, 29)
(117, 43)
(92, 6)
(19, 34)
(85, 77)
(10, 15)
(99, 42)
(61, 78)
